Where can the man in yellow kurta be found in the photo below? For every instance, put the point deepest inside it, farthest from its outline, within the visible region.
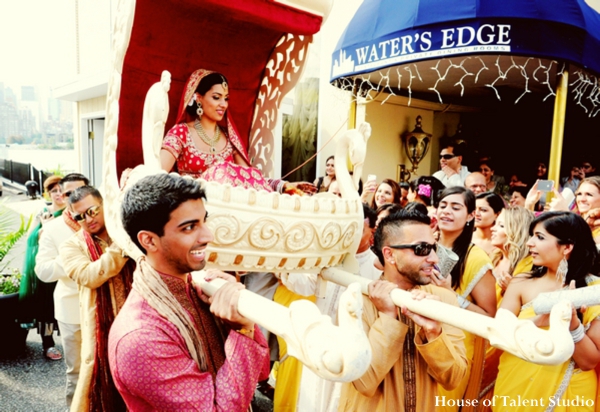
(100, 270)
(411, 353)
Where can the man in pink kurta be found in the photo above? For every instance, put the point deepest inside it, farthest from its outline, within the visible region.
(171, 347)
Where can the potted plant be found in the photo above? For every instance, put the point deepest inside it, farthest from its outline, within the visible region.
(10, 280)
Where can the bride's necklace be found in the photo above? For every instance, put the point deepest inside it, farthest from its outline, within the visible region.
(209, 142)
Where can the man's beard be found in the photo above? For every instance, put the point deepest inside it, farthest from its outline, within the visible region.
(414, 276)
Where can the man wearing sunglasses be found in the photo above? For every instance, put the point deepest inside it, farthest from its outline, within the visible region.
(104, 276)
(48, 268)
(411, 353)
(452, 172)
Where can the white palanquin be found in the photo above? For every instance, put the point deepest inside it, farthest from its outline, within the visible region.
(256, 229)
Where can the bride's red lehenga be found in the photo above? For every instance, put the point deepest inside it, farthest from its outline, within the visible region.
(221, 166)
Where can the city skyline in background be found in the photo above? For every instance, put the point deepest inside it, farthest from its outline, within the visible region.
(30, 115)
(36, 48)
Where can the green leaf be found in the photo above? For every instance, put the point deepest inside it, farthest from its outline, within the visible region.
(9, 238)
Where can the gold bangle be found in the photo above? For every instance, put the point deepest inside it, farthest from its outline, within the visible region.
(245, 332)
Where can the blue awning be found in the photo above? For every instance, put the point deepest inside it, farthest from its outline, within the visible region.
(386, 33)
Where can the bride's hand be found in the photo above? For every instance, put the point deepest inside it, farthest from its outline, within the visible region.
(306, 187)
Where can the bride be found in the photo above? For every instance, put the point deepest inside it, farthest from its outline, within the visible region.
(205, 143)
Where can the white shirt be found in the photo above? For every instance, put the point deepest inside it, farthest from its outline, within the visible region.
(48, 268)
(454, 180)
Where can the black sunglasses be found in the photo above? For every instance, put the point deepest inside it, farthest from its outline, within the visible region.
(448, 156)
(91, 212)
(420, 249)
(67, 194)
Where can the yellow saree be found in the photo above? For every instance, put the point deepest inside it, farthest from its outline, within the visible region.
(477, 264)
(527, 387)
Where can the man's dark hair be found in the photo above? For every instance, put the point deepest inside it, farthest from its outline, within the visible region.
(391, 225)
(74, 177)
(457, 148)
(417, 207)
(370, 214)
(149, 203)
(84, 191)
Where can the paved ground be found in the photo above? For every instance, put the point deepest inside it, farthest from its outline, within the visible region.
(28, 381)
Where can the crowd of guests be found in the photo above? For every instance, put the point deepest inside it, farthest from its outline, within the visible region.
(511, 246)
(141, 336)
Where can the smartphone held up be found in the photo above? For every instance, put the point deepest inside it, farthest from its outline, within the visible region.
(545, 185)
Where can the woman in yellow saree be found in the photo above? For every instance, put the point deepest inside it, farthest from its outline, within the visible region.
(471, 279)
(563, 253)
(509, 235)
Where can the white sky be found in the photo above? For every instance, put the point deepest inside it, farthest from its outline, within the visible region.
(36, 41)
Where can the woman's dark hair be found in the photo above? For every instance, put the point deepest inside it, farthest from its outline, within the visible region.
(417, 207)
(329, 158)
(489, 163)
(203, 87)
(436, 188)
(570, 229)
(495, 201)
(396, 193)
(462, 243)
(522, 190)
(391, 207)
(370, 214)
(534, 176)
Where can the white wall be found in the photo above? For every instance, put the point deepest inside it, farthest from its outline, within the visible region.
(333, 103)
(385, 151)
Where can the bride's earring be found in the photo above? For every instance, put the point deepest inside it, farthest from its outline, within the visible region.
(199, 110)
